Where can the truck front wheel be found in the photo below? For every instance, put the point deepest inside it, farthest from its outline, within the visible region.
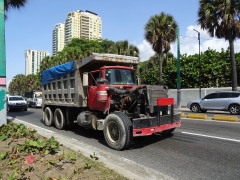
(117, 131)
(59, 119)
(48, 116)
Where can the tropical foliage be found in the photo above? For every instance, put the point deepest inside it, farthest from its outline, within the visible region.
(221, 19)
(81, 48)
(21, 83)
(160, 31)
(216, 70)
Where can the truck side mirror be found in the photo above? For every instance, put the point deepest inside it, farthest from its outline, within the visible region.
(85, 79)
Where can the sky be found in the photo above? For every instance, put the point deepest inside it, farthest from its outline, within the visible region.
(31, 27)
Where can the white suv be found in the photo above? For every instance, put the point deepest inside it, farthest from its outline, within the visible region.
(16, 102)
(221, 101)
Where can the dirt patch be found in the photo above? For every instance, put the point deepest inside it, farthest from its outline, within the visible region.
(25, 155)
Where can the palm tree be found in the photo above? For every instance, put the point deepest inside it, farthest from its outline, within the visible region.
(221, 19)
(18, 84)
(160, 35)
(124, 48)
(14, 4)
(30, 82)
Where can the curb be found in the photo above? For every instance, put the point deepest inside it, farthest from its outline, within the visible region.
(225, 118)
(123, 166)
(215, 117)
(197, 116)
(205, 116)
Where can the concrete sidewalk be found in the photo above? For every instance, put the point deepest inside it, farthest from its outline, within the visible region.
(126, 167)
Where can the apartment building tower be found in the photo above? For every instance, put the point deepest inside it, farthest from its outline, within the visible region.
(80, 24)
(58, 38)
(33, 59)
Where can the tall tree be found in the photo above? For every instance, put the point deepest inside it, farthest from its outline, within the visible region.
(160, 31)
(18, 82)
(221, 18)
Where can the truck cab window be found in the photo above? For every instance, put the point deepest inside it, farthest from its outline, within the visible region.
(121, 76)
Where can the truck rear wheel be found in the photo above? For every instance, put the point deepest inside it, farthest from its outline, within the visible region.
(48, 116)
(59, 119)
(117, 131)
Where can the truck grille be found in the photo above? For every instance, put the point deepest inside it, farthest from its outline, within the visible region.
(154, 92)
(19, 103)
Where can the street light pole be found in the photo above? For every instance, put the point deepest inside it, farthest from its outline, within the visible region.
(199, 64)
(178, 71)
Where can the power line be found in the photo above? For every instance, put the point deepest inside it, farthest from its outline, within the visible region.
(208, 39)
(182, 37)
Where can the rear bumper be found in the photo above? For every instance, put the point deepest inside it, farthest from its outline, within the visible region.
(148, 126)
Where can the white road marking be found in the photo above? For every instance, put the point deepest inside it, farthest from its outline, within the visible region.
(215, 137)
(35, 126)
(74, 139)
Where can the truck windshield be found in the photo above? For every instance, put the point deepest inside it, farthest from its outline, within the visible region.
(120, 76)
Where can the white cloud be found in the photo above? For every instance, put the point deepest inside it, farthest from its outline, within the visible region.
(145, 50)
(189, 43)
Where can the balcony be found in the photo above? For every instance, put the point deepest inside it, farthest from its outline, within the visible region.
(84, 34)
(85, 20)
(85, 28)
(85, 17)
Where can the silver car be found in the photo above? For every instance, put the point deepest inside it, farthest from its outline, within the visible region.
(221, 101)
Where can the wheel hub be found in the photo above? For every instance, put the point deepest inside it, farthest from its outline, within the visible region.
(114, 131)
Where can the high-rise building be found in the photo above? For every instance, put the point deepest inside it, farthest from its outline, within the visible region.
(58, 38)
(80, 24)
(33, 59)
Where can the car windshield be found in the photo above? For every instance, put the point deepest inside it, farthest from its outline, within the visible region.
(15, 99)
(120, 76)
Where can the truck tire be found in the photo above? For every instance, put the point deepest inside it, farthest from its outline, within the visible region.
(59, 119)
(117, 131)
(48, 116)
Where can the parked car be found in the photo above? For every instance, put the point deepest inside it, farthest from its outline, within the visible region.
(16, 102)
(221, 101)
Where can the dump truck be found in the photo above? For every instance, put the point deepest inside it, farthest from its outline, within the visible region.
(102, 93)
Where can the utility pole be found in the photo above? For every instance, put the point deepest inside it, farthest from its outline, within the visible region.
(199, 64)
(3, 112)
(178, 71)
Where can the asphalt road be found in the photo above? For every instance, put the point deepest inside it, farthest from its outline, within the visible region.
(197, 150)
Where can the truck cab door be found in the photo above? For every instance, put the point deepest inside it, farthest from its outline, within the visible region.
(92, 90)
